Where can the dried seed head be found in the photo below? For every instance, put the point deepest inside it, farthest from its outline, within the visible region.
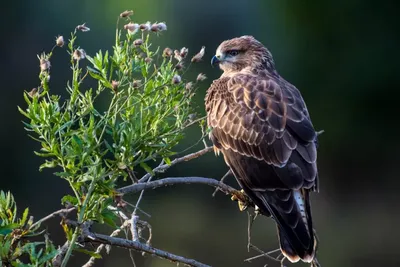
(201, 77)
(189, 86)
(148, 60)
(199, 55)
(60, 41)
(114, 85)
(79, 54)
(44, 64)
(179, 66)
(184, 52)
(145, 26)
(176, 79)
(138, 42)
(33, 93)
(158, 27)
(131, 27)
(83, 28)
(167, 52)
(162, 26)
(126, 13)
(136, 83)
(177, 55)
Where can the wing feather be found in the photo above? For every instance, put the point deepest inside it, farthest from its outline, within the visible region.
(263, 117)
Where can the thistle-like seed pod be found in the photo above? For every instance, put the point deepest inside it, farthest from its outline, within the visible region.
(176, 79)
(199, 55)
(83, 27)
(60, 41)
(138, 42)
(201, 77)
(167, 52)
(44, 64)
(126, 13)
(145, 26)
(131, 27)
(79, 54)
(114, 85)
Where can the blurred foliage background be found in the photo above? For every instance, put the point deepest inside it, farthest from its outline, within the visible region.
(342, 55)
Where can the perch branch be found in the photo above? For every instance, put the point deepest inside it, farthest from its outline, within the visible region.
(61, 213)
(188, 157)
(138, 246)
(187, 180)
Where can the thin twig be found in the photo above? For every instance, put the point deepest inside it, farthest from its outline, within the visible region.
(164, 167)
(61, 213)
(226, 175)
(57, 260)
(129, 244)
(263, 254)
(102, 246)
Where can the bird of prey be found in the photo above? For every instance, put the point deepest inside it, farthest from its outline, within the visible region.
(260, 123)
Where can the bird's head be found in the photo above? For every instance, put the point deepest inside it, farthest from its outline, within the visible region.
(241, 52)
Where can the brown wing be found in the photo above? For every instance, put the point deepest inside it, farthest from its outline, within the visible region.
(265, 118)
(262, 126)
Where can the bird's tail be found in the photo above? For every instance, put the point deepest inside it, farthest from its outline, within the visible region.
(295, 254)
(293, 239)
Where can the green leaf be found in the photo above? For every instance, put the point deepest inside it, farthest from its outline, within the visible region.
(24, 216)
(69, 199)
(146, 168)
(167, 160)
(48, 164)
(6, 229)
(88, 252)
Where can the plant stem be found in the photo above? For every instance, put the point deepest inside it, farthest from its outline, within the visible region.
(80, 221)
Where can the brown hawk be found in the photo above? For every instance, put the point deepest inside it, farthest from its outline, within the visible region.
(261, 125)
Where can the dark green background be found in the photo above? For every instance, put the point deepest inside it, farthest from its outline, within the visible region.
(342, 55)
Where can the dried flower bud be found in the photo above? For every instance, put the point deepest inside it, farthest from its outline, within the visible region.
(131, 27)
(145, 26)
(44, 64)
(176, 79)
(201, 77)
(162, 26)
(83, 28)
(136, 83)
(33, 93)
(60, 41)
(199, 55)
(79, 54)
(138, 42)
(158, 27)
(179, 66)
(126, 13)
(177, 55)
(148, 60)
(189, 86)
(167, 52)
(114, 85)
(184, 52)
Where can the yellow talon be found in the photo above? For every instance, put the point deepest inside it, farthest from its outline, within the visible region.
(242, 205)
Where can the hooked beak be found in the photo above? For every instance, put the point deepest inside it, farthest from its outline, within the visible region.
(215, 61)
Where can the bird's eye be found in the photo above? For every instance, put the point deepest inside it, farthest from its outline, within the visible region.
(233, 52)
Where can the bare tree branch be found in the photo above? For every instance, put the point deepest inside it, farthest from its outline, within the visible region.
(164, 167)
(187, 180)
(129, 244)
(61, 213)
